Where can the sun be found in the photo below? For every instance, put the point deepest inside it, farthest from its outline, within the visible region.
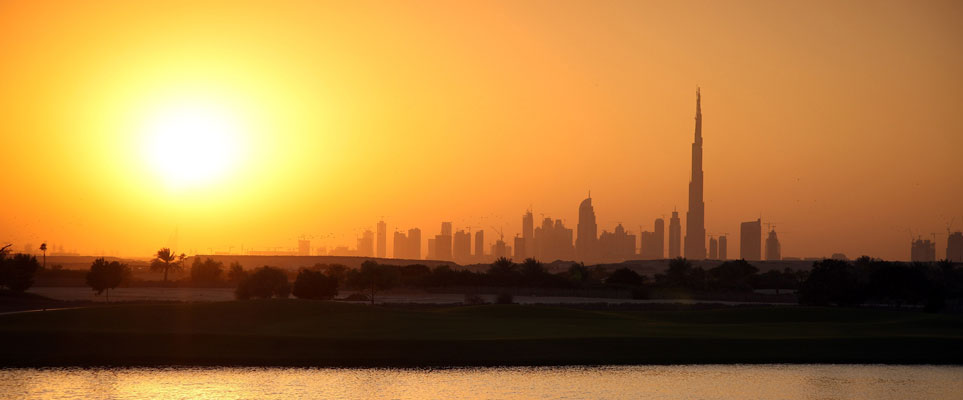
(191, 143)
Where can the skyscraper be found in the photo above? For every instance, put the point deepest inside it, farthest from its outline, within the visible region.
(461, 246)
(659, 238)
(695, 230)
(750, 240)
(713, 249)
(675, 236)
(414, 244)
(954, 247)
(773, 250)
(366, 244)
(528, 236)
(586, 243)
(479, 245)
(443, 242)
(400, 244)
(382, 245)
(722, 248)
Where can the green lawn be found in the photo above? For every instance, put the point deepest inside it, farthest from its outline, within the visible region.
(296, 332)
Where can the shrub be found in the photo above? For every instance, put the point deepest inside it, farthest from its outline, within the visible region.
(264, 282)
(473, 299)
(206, 272)
(313, 284)
(625, 277)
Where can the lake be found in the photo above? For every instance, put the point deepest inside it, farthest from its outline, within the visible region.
(741, 382)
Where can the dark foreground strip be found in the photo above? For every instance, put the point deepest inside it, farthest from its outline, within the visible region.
(105, 349)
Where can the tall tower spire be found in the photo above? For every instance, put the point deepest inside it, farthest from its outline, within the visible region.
(695, 232)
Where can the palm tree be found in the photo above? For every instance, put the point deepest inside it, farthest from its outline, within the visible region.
(166, 260)
(43, 248)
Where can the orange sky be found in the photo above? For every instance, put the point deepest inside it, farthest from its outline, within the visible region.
(839, 121)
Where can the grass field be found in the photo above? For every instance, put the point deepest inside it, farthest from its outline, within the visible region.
(298, 332)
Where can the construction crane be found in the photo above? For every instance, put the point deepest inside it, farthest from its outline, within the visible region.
(499, 231)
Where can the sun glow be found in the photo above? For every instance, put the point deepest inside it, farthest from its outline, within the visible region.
(190, 143)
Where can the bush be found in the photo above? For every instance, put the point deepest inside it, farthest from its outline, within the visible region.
(264, 282)
(315, 285)
(17, 272)
(625, 277)
(505, 298)
(357, 297)
(207, 272)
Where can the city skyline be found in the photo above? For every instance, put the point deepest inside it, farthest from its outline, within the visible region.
(836, 120)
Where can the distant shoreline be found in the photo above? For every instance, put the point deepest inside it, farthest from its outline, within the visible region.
(329, 334)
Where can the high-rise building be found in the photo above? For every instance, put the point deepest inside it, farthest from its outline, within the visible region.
(722, 248)
(432, 249)
(400, 243)
(923, 251)
(480, 245)
(500, 250)
(443, 242)
(616, 246)
(750, 240)
(675, 236)
(954, 247)
(586, 243)
(414, 244)
(659, 238)
(695, 230)
(528, 234)
(713, 249)
(382, 239)
(519, 248)
(773, 250)
(304, 247)
(366, 244)
(461, 247)
(553, 241)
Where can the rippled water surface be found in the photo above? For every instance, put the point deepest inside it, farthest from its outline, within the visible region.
(634, 382)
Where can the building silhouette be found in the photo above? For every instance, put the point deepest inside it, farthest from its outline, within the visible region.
(695, 230)
(443, 243)
(954, 247)
(519, 248)
(773, 250)
(528, 236)
(432, 250)
(750, 240)
(304, 247)
(414, 244)
(382, 245)
(480, 246)
(675, 236)
(923, 250)
(366, 244)
(722, 248)
(553, 241)
(499, 249)
(461, 247)
(616, 246)
(713, 249)
(399, 245)
(659, 238)
(586, 243)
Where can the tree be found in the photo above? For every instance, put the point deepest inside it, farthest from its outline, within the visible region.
(625, 277)
(17, 272)
(732, 275)
(236, 272)
(831, 282)
(578, 273)
(165, 260)
(314, 284)
(43, 248)
(503, 272)
(373, 277)
(264, 283)
(104, 275)
(206, 272)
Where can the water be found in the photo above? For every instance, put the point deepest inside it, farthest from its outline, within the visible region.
(824, 382)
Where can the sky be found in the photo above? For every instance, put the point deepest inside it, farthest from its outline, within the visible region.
(130, 126)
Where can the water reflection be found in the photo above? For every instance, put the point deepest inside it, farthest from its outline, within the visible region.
(633, 382)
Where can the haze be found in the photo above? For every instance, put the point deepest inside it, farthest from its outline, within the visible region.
(837, 121)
